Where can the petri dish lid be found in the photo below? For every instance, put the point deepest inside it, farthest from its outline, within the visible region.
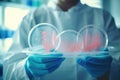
(43, 35)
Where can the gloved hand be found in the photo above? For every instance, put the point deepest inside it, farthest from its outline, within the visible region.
(96, 65)
(39, 65)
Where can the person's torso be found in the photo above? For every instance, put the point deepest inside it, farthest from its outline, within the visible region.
(74, 19)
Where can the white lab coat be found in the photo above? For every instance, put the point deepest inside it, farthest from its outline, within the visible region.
(75, 18)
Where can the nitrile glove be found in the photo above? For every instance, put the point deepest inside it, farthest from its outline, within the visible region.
(96, 65)
(39, 65)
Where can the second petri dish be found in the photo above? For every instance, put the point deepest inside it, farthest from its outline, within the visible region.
(67, 42)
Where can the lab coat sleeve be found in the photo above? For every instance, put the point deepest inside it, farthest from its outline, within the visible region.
(14, 67)
(113, 34)
(27, 23)
(14, 63)
(20, 38)
(114, 42)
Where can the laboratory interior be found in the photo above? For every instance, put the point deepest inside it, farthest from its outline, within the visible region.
(13, 11)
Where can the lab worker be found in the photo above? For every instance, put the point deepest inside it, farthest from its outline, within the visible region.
(66, 14)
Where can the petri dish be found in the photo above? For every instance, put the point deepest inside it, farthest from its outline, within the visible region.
(92, 38)
(43, 36)
(67, 42)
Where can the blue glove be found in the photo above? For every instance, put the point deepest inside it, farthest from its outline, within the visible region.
(96, 65)
(39, 65)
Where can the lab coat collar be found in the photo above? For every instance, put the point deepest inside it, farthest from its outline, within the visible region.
(77, 7)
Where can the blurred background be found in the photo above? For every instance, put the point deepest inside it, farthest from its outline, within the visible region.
(12, 12)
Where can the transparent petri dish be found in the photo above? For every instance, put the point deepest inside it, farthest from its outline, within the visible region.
(43, 36)
(67, 41)
(92, 38)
